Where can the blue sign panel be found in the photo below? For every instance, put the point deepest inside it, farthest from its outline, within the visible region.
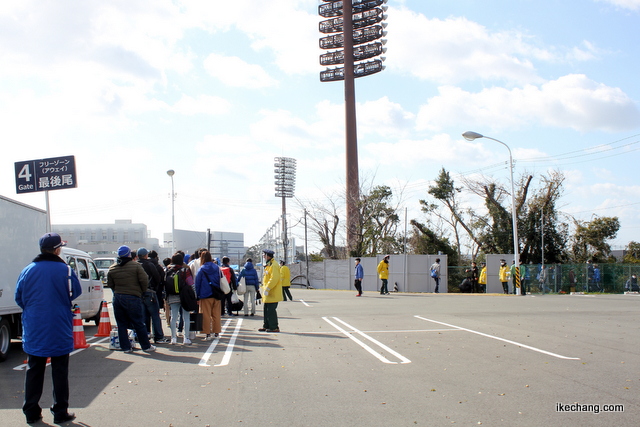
(56, 173)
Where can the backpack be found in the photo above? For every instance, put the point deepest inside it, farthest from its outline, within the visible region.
(175, 281)
(434, 273)
(188, 299)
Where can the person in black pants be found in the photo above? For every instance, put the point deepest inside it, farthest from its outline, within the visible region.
(45, 291)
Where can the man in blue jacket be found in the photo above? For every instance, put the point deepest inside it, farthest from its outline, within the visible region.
(45, 291)
(359, 275)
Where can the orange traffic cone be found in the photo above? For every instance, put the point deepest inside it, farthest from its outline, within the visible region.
(104, 329)
(79, 341)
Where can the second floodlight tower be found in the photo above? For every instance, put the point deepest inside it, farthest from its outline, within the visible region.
(356, 31)
(285, 174)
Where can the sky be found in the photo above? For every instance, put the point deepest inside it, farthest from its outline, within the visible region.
(216, 90)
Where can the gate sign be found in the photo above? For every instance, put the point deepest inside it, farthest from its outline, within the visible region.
(56, 173)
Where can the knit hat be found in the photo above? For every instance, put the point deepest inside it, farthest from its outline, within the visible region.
(124, 251)
(142, 252)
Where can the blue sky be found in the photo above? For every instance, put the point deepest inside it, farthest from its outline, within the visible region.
(216, 90)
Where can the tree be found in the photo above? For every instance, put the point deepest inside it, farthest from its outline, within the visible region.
(446, 192)
(590, 239)
(539, 223)
(325, 223)
(632, 255)
(424, 241)
(377, 223)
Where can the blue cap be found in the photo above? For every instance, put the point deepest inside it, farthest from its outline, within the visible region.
(142, 252)
(51, 241)
(268, 252)
(124, 251)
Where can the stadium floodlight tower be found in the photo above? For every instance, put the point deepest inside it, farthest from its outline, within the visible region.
(356, 31)
(285, 174)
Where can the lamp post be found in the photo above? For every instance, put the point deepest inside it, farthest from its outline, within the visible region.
(171, 172)
(470, 136)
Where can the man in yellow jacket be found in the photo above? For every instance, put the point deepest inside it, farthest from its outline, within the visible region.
(271, 292)
(383, 273)
(285, 274)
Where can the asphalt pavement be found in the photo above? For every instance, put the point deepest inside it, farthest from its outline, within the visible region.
(393, 360)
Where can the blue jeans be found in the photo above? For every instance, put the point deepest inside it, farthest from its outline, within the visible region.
(176, 309)
(152, 314)
(128, 312)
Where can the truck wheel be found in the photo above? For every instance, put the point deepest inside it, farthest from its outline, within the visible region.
(5, 339)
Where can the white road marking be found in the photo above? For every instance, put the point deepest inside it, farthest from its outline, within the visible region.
(302, 301)
(212, 346)
(501, 339)
(24, 365)
(232, 341)
(349, 334)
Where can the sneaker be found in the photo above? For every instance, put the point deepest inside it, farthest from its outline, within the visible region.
(358, 295)
(216, 335)
(69, 416)
(262, 329)
(129, 351)
(186, 341)
(174, 341)
(273, 330)
(151, 349)
(164, 340)
(253, 314)
(207, 337)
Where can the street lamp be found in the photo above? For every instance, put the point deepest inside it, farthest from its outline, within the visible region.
(470, 136)
(171, 172)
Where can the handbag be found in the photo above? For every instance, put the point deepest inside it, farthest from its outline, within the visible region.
(216, 292)
(224, 284)
(242, 287)
(195, 322)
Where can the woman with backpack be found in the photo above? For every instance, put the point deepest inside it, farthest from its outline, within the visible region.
(178, 275)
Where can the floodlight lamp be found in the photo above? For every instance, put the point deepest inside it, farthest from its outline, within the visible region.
(383, 41)
(383, 58)
(384, 50)
(384, 24)
(384, 8)
(384, 34)
(171, 172)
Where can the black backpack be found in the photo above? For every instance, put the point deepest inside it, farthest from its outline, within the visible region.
(175, 281)
(188, 299)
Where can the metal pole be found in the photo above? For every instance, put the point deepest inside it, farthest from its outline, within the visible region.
(46, 203)
(351, 135)
(306, 248)
(173, 214)
(406, 285)
(285, 241)
(514, 218)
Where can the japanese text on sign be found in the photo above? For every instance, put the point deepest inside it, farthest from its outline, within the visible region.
(45, 174)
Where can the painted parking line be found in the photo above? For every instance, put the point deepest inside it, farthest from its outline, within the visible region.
(227, 354)
(89, 341)
(353, 330)
(501, 339)
(302, 301)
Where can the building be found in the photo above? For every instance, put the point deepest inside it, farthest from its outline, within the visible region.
(221, 243)
(104, 239)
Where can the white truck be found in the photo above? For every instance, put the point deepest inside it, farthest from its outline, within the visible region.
(21, 227)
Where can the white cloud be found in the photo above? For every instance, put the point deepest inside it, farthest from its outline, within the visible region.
(572, 101)
(233, 71)
(203, 104)
(456, 49)
(625, 4)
